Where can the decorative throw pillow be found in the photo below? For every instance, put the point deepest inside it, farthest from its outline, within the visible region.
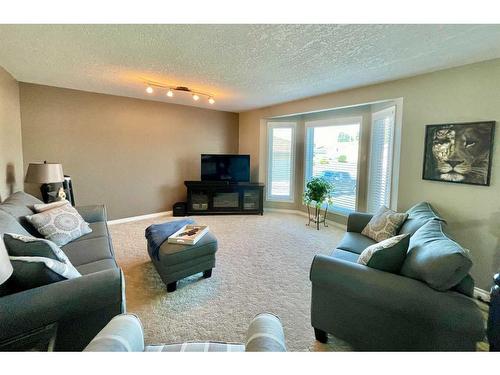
(60, 225)
(436, 259)
(36, 262)
(5, 270)
(384, 224)
(48, 206)
(387, 255)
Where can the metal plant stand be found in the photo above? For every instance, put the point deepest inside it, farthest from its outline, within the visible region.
(315, 216)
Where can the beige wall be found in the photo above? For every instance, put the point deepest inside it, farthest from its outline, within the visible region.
(467, 93)
(11, 155)
(132, 155)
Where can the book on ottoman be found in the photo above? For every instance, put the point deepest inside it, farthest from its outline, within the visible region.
(188, 234)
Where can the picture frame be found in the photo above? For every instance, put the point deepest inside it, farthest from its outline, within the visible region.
(459, 152)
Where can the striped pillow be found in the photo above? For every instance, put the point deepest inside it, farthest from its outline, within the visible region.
(208, 346)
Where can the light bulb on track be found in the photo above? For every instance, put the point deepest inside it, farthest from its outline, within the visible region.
(149, 90)
(170, 93)
(196, 97)
(211, 100)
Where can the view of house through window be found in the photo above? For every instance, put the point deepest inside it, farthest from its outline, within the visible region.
(332, 148)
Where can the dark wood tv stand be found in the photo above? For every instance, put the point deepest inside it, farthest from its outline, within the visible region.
(221, 197)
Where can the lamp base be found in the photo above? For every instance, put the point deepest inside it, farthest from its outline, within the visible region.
(56, 191)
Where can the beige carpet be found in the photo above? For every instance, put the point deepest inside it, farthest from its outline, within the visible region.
(262, 265)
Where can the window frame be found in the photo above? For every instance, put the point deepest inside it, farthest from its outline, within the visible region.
(271, 125)
(334, 121)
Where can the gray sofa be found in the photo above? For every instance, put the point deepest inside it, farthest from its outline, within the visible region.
(376, 310)
(81, 307)
(125, 334)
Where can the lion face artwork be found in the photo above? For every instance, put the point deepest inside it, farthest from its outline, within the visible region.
(459, 153)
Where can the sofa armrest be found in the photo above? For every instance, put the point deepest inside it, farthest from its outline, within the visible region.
(124, 333)
(65, 300)
(397, 294)
(357, 221)
(93, 213)
(265, 334)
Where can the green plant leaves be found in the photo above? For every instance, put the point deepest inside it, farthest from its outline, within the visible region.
(318, 191)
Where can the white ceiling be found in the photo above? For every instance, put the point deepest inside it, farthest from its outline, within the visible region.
(244, 66)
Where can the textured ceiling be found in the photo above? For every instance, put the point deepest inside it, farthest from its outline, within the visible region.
(244, 66)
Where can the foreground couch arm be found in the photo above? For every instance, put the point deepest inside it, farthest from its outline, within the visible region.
(356, 302)
(93, 213)
(265, 334)
(124, 333)
(80, 306)
(357, 221)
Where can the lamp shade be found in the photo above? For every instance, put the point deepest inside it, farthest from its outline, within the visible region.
(5, 265)
(44, 173)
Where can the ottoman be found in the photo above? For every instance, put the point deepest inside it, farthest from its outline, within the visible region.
(175, 261)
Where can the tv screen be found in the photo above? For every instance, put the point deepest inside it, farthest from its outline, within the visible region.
(232, 168)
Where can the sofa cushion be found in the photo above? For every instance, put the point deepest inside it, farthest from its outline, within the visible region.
(466, 286)
(99, 265)
(99, 229)
(10, 225)
(418, 215)
(19, 205)
(60, 224)
(384, 224)
(387, 255)
(88, 251)
(345, 255)
(355, 242)
(436, 259)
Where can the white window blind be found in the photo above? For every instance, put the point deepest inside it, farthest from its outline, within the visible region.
(332, 148)
(381, 159)
(281, 158)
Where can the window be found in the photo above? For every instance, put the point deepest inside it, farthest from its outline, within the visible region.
(332, 148)
(281, 151)
(381, 159)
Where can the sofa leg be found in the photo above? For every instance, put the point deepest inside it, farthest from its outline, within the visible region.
(207, 274)
(320, 335)
(171, 287)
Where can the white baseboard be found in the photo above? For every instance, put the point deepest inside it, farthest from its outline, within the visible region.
(481, 295)
(141, 217)
(302, 213)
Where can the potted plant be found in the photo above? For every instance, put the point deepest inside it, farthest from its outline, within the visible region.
(318, 192)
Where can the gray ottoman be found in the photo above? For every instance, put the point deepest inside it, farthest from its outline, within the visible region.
(179, 261)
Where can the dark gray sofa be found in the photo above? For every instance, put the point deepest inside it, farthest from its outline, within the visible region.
(81, 307)
(376, 310)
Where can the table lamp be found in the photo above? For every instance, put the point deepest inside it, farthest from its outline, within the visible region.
(45, 174)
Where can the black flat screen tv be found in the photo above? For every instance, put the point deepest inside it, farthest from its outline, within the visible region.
(231, 168)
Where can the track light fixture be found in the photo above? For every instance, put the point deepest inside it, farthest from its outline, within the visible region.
(170, 91)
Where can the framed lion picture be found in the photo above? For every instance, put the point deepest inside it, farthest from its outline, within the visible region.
(459, 153)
